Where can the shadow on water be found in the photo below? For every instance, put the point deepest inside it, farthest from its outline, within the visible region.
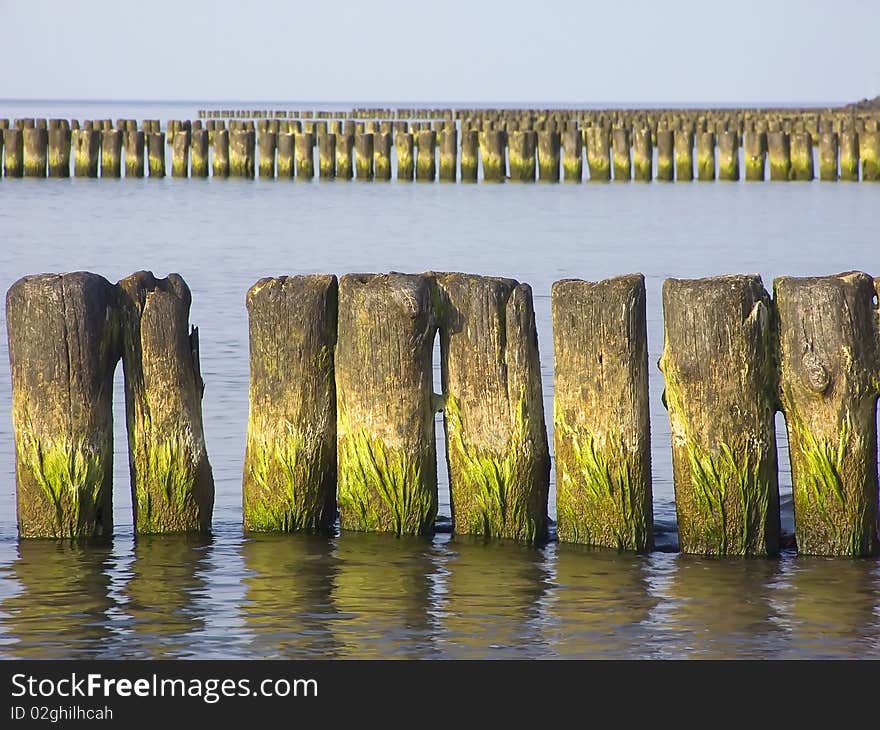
(600, 603)
(163, 596)
(832, 607)
(723, 608)
(382, 592)
(288, 609)
(492, 600)
(63, 610)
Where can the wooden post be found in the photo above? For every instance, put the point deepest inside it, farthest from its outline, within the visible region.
(13, 164)
(426, 156)
(548, 156)
(344, 160)
(242, 144)
(448, 155)
(326, 156)
(382, 155)
(643, 155)
(286, 155)
(728, 156)
(602, 431)
(63, 334)
(35, 143)
(721, 394)
(171, 481)
(305, 155)
(59, 152)
(387, 461)
(684, 155)
(572, 155)
(134, 154)
(111, 153)
(665, 155)
(869, 149)
(598, 154)
(779, 152)
(802, 156)
(828, 146)
(290, 461)
(492, 148)
(849, 156)
(405, 162)
(268, 142)
(199, 148)
(221, 153)
(706, 156)
(156, 153)
(469, 155)
(621, 154)
(499, 463)
(363, 147)
(829, 364)
(755, 154)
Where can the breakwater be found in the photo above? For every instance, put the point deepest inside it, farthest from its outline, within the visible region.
(360, 437)
(465, 145)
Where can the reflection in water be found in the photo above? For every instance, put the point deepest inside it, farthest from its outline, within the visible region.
(287, 607)
(164, 592)
(492, 605)
(600, 604)
(63, 610)
(723, 608)
(831, 606)
(382, 594)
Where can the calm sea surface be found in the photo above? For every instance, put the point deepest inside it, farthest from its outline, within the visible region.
(354, 595)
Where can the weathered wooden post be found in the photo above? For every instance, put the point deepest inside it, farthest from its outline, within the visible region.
(34, 143)
(492, 144)
(829, 384)
(363, 148)
(286, 155)
(598, 154)
(268, 142)
(387, 462)
(220, 158)
(602, 431)
(382, 155)
(521, 156)
(63, 335)
(643, 155)
(469, 155)
(706, 156)
(684, 155)
(242, 146)
(721, 391)
(621, 154)
(665, 155)
(111, 153)
(305, 155)
(134, 154)
(448, 155)
(87, 148)
(572, 155)
(549, 145)
(755, 154)
(496, 442)
(849, 156)
(801, 156)
(779, 152)
(728, 156)
(869, 149)
(171, 481)
(344, 161)
(426, 155)
(290, 461)
(59, 152)
(403, 144)
(199, 153)
(828, 147)
(156, 153)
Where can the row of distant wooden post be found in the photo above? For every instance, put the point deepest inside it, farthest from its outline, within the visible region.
(342, 407)
(661, 146)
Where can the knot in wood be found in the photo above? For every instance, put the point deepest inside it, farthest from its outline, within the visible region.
(816, 376)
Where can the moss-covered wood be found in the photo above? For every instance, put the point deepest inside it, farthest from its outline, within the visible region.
(426, 155)
(469, 155)
(134, 154)
(665, 155)
(521, 155)
(155, 154)
(572, 155)
(829, 384)
(602, 432)
(779, 155)
(493, 145)
(87, 149)
(620, 144)
(598, 154)
(721, 394)
(549, 148)
(220, 158)
(386, 452)
(63, 333)
(448, 150)
(706, 156)
(35, 142)
(382, 155)
(267, 144)
(290, 463)
(642, 155)
(171, 480)
(496, 441)
(403, 144)
(728, 156)
(755, 155)
(363, 149)
(242, 144)
(684, 155)
(326, 156)
(111, 153)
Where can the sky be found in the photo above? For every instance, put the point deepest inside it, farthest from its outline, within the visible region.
(578, 51)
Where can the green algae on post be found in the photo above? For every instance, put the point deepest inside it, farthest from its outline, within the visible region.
(665, 155)
(448, 144)
(469, 155)
(602, 431)
(642, 156)
(403, 144)
(289, 480)
(386, 453)
(621, 154)
(718, 364)
(171, 480)
(598, 154)
(684, 155)
(829, 364)
(572, 155)
(492, 153)
(64, 345)
(382, 155)
(493, 411)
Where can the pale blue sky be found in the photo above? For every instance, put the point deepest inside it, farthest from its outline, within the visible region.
(647, 51)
